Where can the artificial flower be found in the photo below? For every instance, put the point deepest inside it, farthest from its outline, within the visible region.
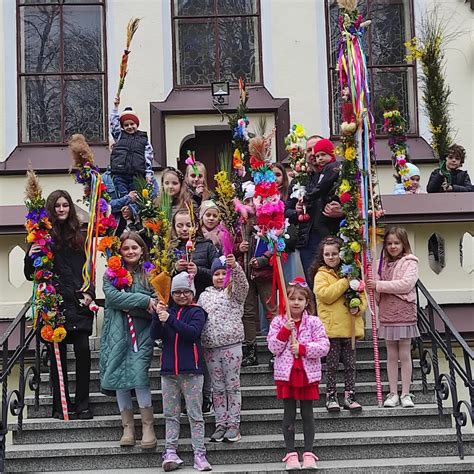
(350, 153)
(355, 247)
(114, 263)
(345, 198)
(344, 186)
(299, 131)
(58, 334)
(47, 333)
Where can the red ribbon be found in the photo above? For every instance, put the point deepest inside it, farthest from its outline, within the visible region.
(277, 284)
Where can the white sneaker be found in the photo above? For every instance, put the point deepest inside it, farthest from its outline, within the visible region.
(392, 400)
(406, 400)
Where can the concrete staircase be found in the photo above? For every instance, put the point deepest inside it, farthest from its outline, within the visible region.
(376, 440)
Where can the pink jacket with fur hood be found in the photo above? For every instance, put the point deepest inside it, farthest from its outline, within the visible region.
(404, 278)
(312, 335)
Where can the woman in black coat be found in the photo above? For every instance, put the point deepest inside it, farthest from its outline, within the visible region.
(69, 258)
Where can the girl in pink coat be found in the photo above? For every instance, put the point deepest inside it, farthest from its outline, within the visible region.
(396, 297)
(298, 342)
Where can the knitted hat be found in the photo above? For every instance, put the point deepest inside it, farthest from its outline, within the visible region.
(205, 206)
(249, 190)
(325, 146)
(218, 264)
(129, 114)
(183, 281)
(412, 170)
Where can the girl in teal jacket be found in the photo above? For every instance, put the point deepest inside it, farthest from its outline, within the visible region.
(121, 369)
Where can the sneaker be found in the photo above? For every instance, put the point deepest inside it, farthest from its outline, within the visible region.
(218, 435)
(85, 415)
(406, 400)
(309, 461)
(291, 461)
(171, 460)
(332, 404)
(232, 435)
(350, 403)
(201, 463)
(207, 408)
(392, 400)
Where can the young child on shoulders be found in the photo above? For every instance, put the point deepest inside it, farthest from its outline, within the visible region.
(222, 341)
(182, 368)
(195, 185)
(132, 153)
(396, 296)
(339, 321)
(298, 341)
(460, 180)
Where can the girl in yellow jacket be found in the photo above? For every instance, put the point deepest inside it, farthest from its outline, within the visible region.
(338, 320)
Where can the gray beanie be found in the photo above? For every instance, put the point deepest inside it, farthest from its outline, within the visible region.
(183, 281)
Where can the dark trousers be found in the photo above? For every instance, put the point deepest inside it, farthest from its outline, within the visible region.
(123, 184)
(80, 340)
(308, 255)
(340, 349)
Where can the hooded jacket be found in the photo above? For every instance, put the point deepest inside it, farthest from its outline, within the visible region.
(460, 181)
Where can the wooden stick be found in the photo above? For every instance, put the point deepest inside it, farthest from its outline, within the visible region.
(353, 331)
(285, 297)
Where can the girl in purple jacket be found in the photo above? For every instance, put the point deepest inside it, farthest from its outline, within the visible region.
(298, 341)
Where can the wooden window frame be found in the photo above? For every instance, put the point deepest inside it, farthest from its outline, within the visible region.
(215, 17)
(61, 74)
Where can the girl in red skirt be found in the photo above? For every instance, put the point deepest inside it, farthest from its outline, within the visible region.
(298, 342)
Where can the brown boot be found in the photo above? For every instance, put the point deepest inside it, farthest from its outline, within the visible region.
(128, 437)
(148, 429)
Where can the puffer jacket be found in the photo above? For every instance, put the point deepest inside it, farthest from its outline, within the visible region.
(311, 334)
(402, 284)
(460, 181)
(68, 281)
(181, 336)
(120, 367)
(225, 309)
(329, 289)
(203, 255)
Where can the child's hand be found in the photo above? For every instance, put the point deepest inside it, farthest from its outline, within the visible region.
(244, 246)
(192, 268)
(295, 348)
(253, 262)
(290, 325)
(35, 248)
(230, 261)
(181, 265)
(299, 207)
(354, 311)
(163, 316)
(133, 195)
(160, 306)
(151, 306)
(199, 189)
(87, 299)
(126, 212)
(116, 101)
(371, 284)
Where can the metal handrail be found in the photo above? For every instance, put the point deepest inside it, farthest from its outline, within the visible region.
(445, 383)
(13, 401)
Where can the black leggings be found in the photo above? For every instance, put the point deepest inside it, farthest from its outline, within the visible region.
(289, 418)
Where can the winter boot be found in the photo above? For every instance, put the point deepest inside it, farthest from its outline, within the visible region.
(128, 437)
(148, 429)
(251, 356)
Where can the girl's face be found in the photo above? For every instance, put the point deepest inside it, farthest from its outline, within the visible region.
(298, 303)
(414, 183)
(182, 297)
(331, 255)
(195, 179)
(218, 279)
(393, 246)
(171, 184)
(131, 252)
(278, 176)
(61, 208)
(210, 219)
(182, 226)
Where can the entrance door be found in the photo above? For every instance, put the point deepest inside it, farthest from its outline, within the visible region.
(207, 145)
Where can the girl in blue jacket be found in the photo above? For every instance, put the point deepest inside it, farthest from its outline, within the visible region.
(182, 368)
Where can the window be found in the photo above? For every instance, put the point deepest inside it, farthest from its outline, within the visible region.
(390, 74)
(61, 70)
(216, 40)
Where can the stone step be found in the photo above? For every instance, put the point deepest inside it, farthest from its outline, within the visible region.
(254, 422)
(253, 398)
(252, 449)
(366, 466)
(249, 376)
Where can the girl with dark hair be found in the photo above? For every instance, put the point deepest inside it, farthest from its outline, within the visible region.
(69, 258)
(121, 369)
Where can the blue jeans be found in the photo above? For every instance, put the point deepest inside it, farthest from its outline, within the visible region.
(123, 184)
(308, 255)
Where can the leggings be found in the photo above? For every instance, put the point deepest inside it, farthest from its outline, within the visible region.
(289, 418)
(124, 398)
(340, 347)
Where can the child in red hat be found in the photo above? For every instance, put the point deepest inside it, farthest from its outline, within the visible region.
(132, 154)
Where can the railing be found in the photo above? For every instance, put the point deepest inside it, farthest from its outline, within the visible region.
(13, 401)
(446, 384)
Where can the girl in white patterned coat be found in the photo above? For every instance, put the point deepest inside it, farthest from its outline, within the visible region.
(222, 342)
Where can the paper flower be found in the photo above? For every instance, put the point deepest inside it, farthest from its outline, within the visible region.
(344, 186)
(355, 247)
(350, 153)
(345, 198)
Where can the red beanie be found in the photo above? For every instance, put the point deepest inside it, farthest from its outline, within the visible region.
(129, 114)
(324, 145)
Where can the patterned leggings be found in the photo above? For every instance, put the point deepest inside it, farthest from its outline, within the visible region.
(190, 385)
(340, 347)
(224, 367)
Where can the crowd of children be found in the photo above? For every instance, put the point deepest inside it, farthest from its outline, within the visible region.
(208, 330)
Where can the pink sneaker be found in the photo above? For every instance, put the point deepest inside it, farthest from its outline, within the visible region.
(309, 461)
(201, 463)
(171, 460)
(292, 462)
